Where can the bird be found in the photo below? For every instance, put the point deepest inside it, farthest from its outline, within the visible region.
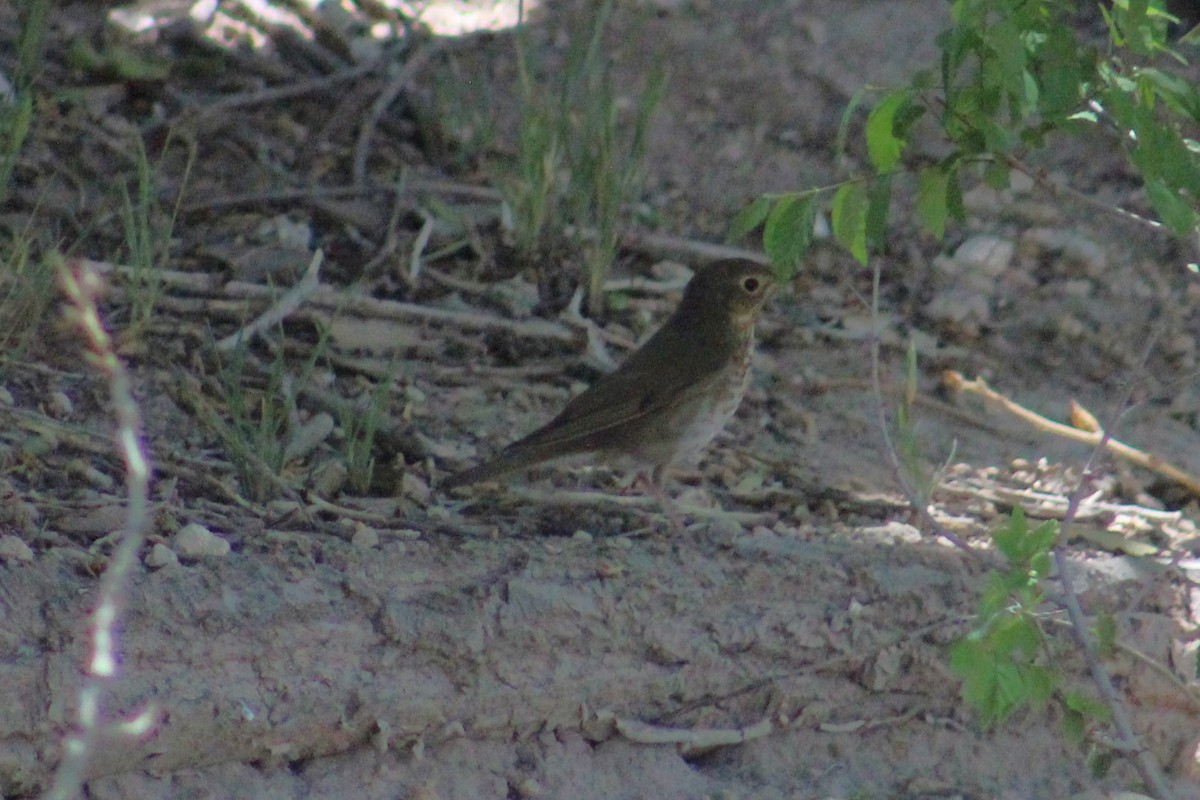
(669, 398)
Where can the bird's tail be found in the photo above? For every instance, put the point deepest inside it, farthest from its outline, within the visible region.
(509, 460)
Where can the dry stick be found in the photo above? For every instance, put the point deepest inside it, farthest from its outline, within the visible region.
(1128, 741)
(409, 188)
(288, 302)
(1054, 506)
(82, 286)
(331, 299)
(287, 92)
(422, 241)
(391, 242)
(362, 149)
(918, 504)
(1102, 439)
(689, 740)
(658, 244)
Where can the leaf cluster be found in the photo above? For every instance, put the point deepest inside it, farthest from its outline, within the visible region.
(1006, 661)
(1012, 73)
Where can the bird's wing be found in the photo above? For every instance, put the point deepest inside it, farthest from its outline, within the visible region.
(638, 388)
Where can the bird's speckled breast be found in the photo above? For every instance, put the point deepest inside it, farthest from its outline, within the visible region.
(724, 404)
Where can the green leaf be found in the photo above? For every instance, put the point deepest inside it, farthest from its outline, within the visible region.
(1100, 762)
(1073, 726)
(1178, 94)
(749, 218)
(931, 200)
(787, 234)
(1016, 637)
(977, 669)
(1106, 635)
(1041, 683)
(996, 175)
(1087, 706)
(879, 198)
(1009, 535)
(1042, 538)
(969, 657)
(1011, 690)
(856, 100)
(850, 219)
(954, 198)
(1174, 211)
(883, 145)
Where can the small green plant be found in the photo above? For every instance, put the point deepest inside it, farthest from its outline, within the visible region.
(360, 424)
(1001, 661)
(26, 291)
(257, 421)
(579, 163)
(1007, 661)
(253, 428)
(16, 112)
(147, 236)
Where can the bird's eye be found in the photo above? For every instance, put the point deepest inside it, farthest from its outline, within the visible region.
(750, 285)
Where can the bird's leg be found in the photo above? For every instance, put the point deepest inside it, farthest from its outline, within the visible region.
(656, 486)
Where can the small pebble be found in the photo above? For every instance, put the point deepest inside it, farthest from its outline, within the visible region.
(160, 556)
(59, 405)
(365, 538)
(196, 540)
(530, 788)
(413, 486)
(14, 549)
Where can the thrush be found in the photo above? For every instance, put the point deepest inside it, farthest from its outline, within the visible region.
(668, 400)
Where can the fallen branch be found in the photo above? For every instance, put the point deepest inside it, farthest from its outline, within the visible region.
(956, 382)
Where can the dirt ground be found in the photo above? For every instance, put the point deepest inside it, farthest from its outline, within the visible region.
(552, 638)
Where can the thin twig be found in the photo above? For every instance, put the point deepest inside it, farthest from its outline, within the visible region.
(1062, 191)
(82, 286)
(391, 241)
(362, 148)
(658, 244)
(418, 251)
(1127, 740)
(291, 300)
(288, 92)
(413, 187)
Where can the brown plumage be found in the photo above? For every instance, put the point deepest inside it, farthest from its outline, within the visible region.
(670, 397)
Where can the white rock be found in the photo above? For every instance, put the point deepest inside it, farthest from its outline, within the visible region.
(196, 540)
(160, 556)
(984, 253)
(14, 549)
(365, 538)
(59, 405)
